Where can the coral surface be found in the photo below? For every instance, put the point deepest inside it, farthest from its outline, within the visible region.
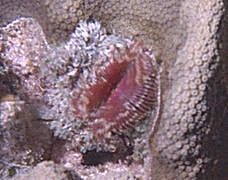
(188, 37)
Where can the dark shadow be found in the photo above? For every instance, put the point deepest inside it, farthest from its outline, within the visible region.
(94, 158)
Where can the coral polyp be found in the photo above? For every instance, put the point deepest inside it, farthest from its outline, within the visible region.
(120, 92)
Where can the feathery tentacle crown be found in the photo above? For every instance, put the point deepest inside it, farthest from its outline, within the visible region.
(121, 86)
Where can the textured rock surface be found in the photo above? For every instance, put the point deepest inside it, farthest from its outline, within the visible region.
(190, 38)
(24, 141)
(47, 170)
